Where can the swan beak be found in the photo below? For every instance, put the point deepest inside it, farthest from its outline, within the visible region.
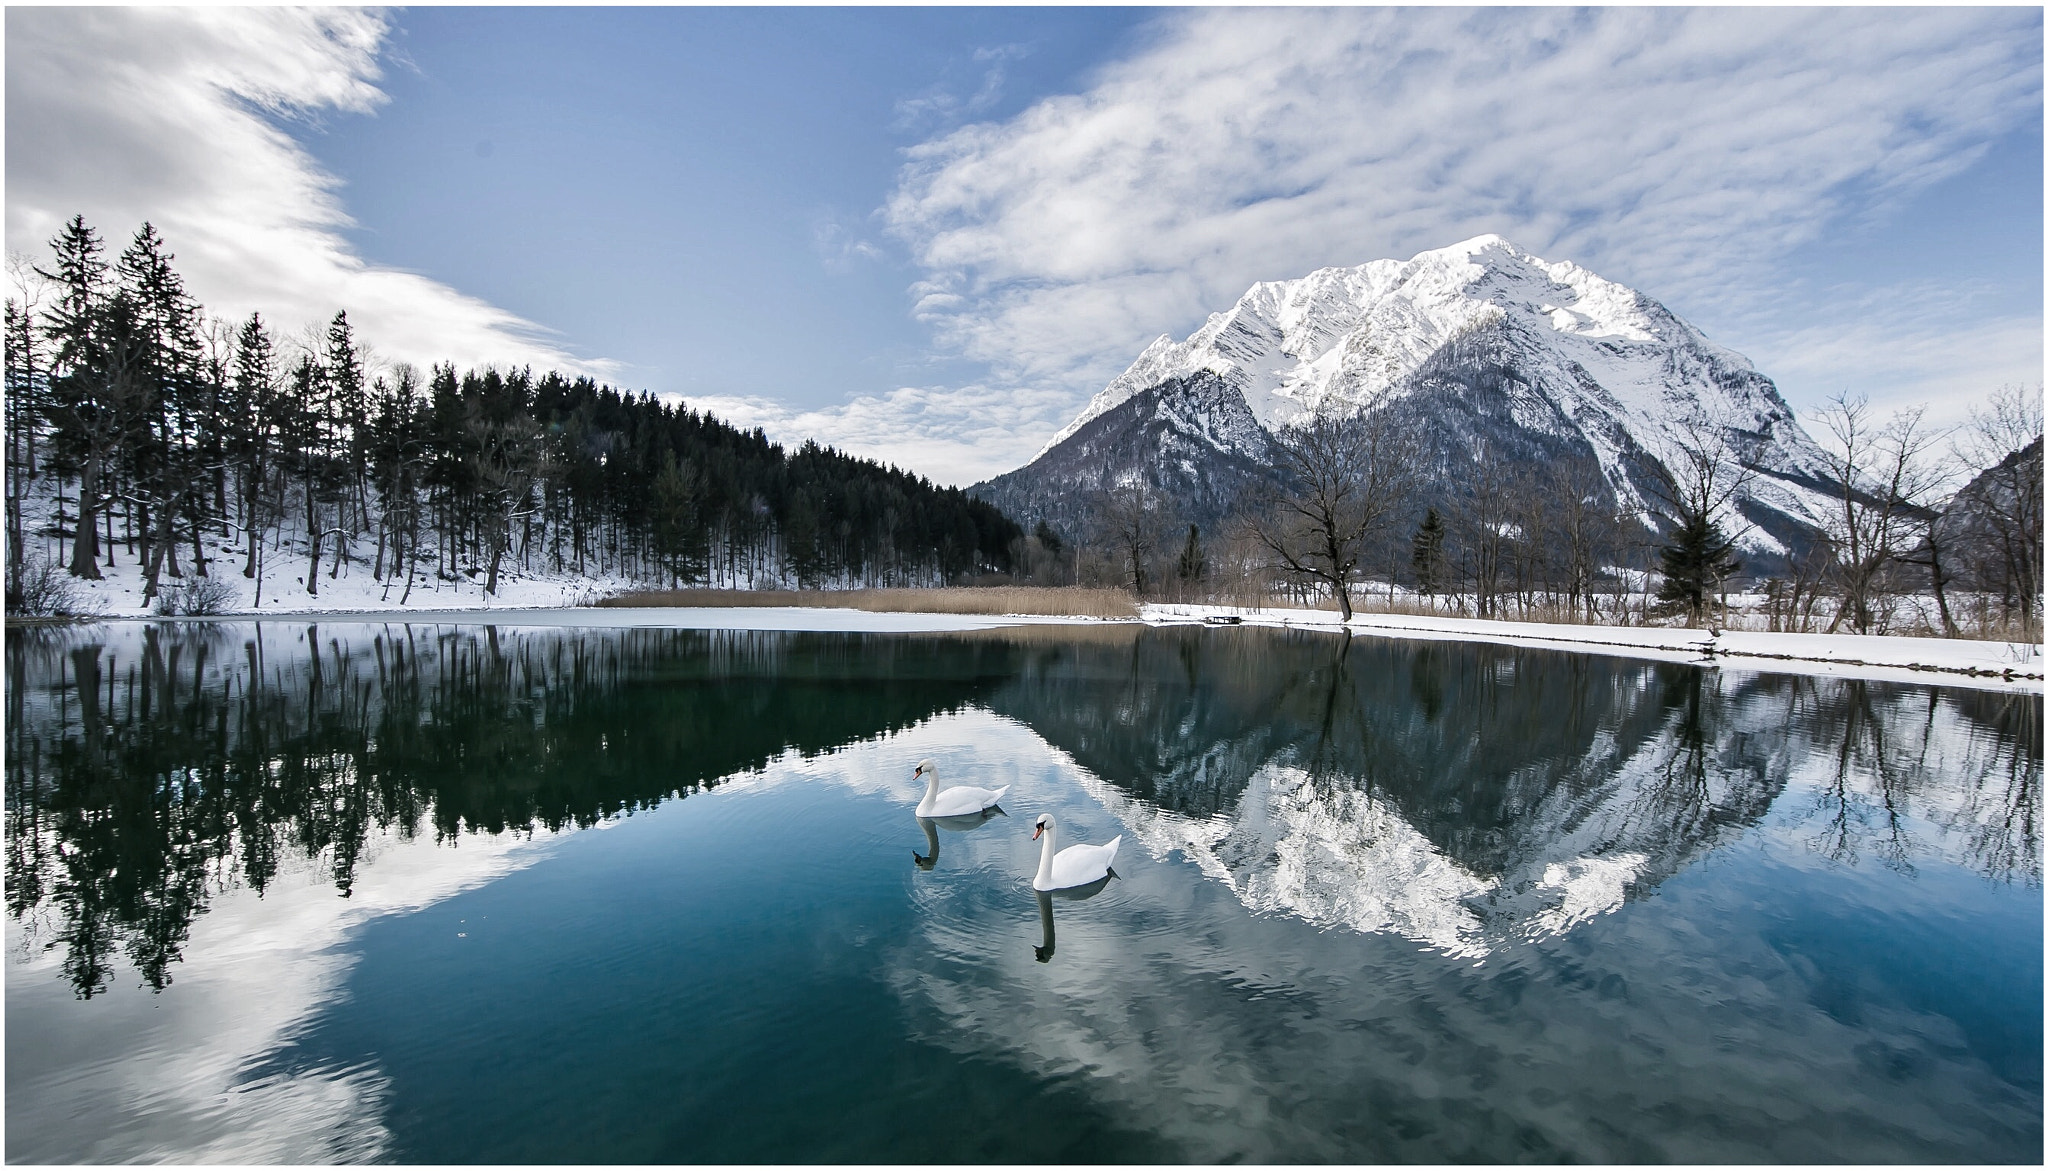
(918, 773)
(1035, 831)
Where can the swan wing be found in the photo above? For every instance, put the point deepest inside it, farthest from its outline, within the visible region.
(1081, 865)
(962, 799)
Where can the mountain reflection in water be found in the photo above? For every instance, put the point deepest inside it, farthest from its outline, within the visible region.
(1463, 796)
(298, 893)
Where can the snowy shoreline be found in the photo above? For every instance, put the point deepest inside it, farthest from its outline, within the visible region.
(2001, 666)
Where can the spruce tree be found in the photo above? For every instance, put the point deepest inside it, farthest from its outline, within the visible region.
(1193, 564)
(1427, 554)
(1696, 560)
(252, 431)
(86, 428)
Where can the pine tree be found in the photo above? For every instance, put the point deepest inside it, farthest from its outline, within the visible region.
(252, 432)
(349, 404)
(1193, 564)
(164, 463)
(1696, 560)
(81, 397)
(24, 403)
(1427, 554)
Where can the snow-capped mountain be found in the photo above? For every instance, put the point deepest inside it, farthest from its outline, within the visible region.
(1495, 349)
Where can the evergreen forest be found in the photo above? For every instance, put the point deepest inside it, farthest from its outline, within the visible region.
(139, 427)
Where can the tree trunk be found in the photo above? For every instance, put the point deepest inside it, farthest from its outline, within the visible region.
(251, 531)
(312, 543)
(198, 549)
(85, 541)
(161, 545)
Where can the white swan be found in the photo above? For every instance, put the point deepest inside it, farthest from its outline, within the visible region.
(958, 801)
(1073, 866)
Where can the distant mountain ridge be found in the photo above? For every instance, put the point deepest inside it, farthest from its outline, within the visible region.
(1494, 349)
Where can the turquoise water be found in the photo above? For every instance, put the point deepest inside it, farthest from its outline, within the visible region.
(475, 894)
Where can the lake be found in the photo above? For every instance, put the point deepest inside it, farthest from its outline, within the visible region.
(435, 892)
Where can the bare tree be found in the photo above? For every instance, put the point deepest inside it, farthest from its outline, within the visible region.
(2001, 521)
(1134, 521)
(1485, 523)
(1587, 528)
(1887, 479)
(1342, 479)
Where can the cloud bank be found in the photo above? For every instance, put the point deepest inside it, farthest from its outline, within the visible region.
(180, 117)
(1683, 152)
(953, 435)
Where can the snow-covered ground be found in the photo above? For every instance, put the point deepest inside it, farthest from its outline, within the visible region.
(565, 600)
(706, 618)
(347, 587)
(2002, 665)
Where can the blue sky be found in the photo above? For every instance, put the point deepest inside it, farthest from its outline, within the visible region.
(930, 234)
(680, 189)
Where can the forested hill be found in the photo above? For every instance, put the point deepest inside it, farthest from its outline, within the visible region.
(142, 431)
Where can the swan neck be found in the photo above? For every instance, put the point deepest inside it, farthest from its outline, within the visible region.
(931, 783)
(1045, 852)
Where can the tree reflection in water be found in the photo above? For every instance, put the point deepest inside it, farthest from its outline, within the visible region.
(150, 766)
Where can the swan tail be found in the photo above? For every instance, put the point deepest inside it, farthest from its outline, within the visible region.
(1114, 842)
(996, 796)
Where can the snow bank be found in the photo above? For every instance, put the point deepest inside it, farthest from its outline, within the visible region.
(1968, 662)
(698, 618)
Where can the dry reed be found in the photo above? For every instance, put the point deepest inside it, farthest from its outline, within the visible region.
(1066, 601)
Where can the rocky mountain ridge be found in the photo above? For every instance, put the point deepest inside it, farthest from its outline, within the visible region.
(1498, 354)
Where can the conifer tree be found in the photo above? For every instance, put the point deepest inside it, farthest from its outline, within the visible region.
(80, 395)
(1193, 564)
(1426, 554)
(1696, 560)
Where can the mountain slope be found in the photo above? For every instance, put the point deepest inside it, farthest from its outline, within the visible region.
(1497, 352)
(1190, 438)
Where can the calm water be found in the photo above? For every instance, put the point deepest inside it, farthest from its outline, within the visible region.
(474, 894)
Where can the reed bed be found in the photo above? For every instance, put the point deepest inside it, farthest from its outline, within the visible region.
(1058, 601)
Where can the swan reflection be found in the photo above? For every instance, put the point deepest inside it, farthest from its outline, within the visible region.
(960, 824)
(1072, 894)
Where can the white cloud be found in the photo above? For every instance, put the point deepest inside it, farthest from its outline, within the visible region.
(1897, 358)
(938, 104)
(953, 435)
(1684, 152)
(176, 115)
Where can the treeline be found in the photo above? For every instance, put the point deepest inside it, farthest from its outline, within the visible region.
(1920, 529)
(152, 427)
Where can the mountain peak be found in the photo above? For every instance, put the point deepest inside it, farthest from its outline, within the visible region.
(1586, 361)
(1478, 244)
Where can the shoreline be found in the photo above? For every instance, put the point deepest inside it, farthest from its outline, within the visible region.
(1968, 662)
(2001, 666)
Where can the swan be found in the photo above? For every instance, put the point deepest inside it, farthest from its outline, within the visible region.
(1073, 866)
(958, 801)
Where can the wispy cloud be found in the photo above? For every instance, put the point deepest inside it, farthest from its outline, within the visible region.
(939, 104)
(955, 435)
(1685, 152)
(182, 117)
(1891, 354)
